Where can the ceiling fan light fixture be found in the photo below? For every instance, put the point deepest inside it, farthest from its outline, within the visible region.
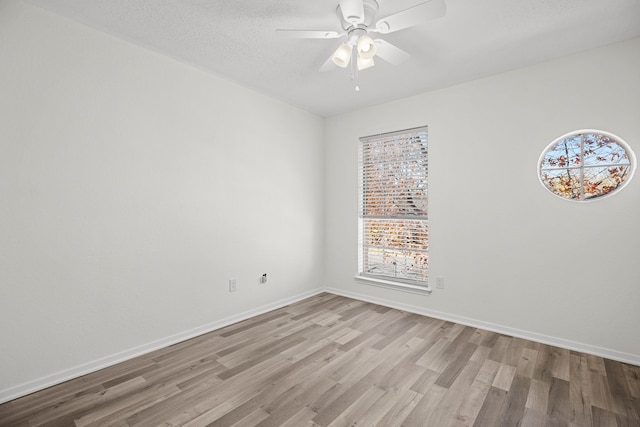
(364, 63)
(366, 47)
(342, 55)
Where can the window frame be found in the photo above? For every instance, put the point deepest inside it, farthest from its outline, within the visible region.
(420, 134)
(581, 132)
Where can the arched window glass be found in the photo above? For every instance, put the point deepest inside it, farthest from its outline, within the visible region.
(586, 165)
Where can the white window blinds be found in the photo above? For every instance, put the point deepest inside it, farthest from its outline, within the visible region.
(393, 233)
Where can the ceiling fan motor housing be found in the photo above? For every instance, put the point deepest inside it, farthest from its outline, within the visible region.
(355, 34)
(370, 8)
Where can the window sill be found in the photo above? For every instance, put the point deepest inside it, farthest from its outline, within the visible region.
(404, 287)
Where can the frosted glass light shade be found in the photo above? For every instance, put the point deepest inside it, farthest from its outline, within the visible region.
(365, 63)
(342, 55)
(366, 47)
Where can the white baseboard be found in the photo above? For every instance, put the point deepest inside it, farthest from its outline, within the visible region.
(89, 367)
(96, 365)
(633, 359)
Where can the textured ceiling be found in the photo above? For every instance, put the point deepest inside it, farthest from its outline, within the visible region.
(236, 39)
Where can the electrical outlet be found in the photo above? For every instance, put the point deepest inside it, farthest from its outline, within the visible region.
(233, 285)
(439, 282)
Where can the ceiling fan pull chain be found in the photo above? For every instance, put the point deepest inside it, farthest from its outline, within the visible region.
(354, 71)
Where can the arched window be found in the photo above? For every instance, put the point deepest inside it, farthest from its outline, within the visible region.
(585, 165)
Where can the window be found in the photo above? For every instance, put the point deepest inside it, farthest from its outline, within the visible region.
(586, 165)
(393, 232)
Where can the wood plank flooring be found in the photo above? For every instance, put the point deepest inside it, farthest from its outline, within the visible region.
(333, 361)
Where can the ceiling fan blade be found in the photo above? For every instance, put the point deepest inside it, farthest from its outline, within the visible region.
(352, 11)
(427, 11)
(309, 34)
(328, 66)
(390, 53)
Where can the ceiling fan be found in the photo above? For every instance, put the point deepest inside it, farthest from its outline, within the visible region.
(358, 20)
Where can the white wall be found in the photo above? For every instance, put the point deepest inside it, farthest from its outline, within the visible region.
(132, 187)
(512, 254)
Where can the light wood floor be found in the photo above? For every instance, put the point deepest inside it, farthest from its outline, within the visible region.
(334, 361)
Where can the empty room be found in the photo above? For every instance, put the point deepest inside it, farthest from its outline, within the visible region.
(319, 213)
